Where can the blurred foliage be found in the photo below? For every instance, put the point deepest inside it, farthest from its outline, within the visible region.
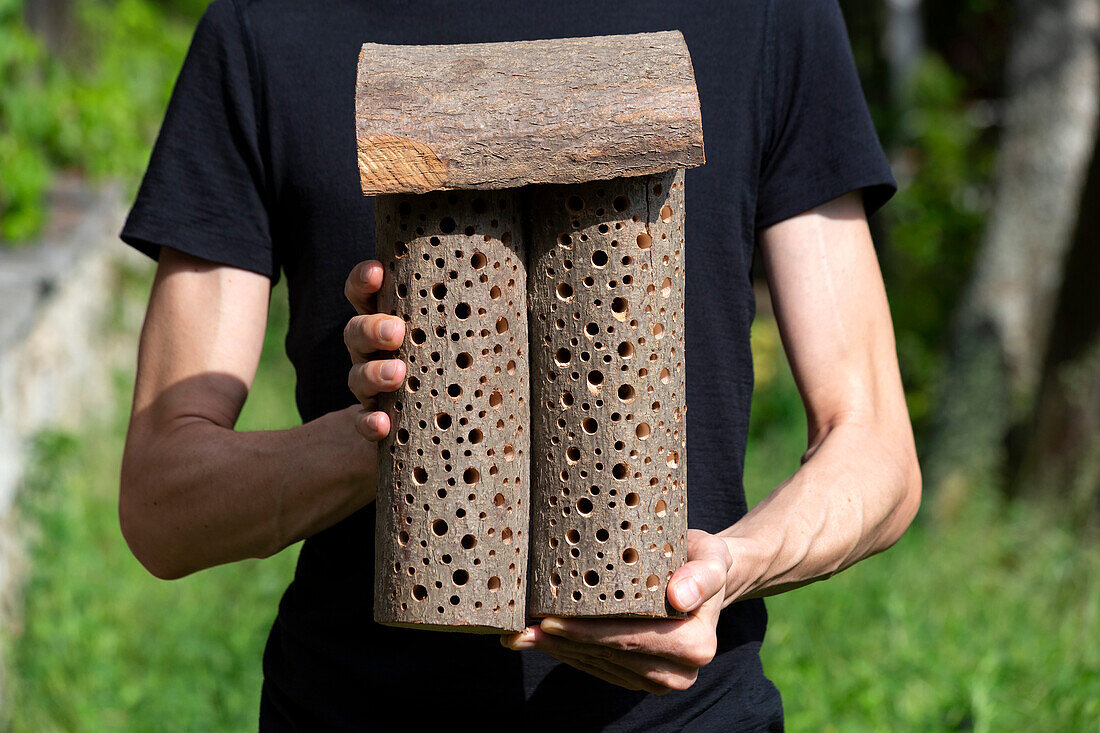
(934, 223)
(104, 645)
(94, 110)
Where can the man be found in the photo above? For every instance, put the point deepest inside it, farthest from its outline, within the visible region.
(254, 174)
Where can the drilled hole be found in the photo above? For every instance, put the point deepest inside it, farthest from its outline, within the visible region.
(584, 506)
(469, 542)
(464, 360)
(419, 592)
(633, 499)
(620, 203)
(476, 436)
(447, 225)
(419, 475)
(652, 582)
(591, 578)
(630, 556)
(478, 261)
(443, 421)
(493, 584)
(462, 311)
(620, 471)
(460, 577)
(565, 291)
(471, 476)
(439, 291)
(666, 213)
(642, 431)
(599, 258)
(589, 425)
(439, 527)
(502, 324)
(661, 509)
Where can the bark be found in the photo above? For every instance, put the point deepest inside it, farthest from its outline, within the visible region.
(453, 483)
(1003, 326)
(501, 115)
(606, 291)
(1063, 455)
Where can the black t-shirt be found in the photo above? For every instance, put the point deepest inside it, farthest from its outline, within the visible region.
(255, 167)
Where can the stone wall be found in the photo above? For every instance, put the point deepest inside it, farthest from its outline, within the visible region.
(56, 357)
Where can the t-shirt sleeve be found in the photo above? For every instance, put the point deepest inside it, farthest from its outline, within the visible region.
(204, 190)
(819, 141)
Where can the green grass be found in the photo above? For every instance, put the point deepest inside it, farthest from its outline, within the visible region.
(987, 620)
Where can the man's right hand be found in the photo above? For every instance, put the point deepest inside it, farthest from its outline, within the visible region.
(365, 335)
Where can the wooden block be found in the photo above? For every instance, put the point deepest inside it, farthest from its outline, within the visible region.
(453, 484)
(502, 115)
(609, 472)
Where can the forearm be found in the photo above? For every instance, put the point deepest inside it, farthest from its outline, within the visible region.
(197, 494)
(854, 496)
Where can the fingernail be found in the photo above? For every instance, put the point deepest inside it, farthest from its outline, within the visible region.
(387, 330)
(364, 273)
(552, 626)
(374, 422)
(388, 369)
(687, 592)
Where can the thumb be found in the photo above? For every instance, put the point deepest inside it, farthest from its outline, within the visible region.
(703, 576)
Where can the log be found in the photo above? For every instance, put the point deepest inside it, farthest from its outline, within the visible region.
(453, 483)
(502, 115)
(609, 477)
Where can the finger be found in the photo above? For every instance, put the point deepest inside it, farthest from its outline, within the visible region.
(363, 282)
(705, 573)
(373, 425)
(688, 641)
(376, 332)
(602, 662)
(671, 674)
(367, 379)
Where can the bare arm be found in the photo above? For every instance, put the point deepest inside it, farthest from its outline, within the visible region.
(854, 495)
(859, 486)
(194, 493)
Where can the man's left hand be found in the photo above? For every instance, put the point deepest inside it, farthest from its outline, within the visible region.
(656, 655)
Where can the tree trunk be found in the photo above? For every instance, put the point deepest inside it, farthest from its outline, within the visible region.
(1003, 326)
(1063, 457)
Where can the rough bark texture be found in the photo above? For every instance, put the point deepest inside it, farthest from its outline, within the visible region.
(606, 292)
(1002, 330)
(501, 115)
(453, 485)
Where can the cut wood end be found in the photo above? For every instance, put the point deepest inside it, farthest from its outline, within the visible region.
(393, 163)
